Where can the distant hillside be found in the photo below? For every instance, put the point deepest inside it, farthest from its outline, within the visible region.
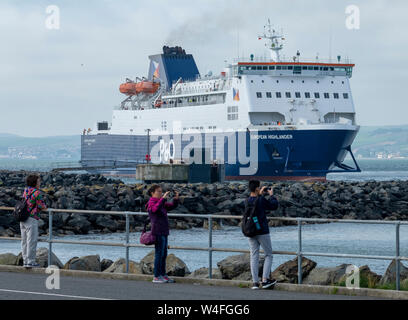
(388, 140)
(57, 147)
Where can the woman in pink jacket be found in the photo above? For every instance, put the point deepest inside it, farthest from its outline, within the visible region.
(157, 208)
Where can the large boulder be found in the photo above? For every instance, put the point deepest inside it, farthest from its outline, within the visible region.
(174, 265)
(105, 264)
(389, 275)
(238, 267)
(119, 266)
(202, 273)
(42, 258)
(326, 276)
(368, 276)
(8, 259)
(233, 266)
(86, 263)
(288, 271)
(79, 224)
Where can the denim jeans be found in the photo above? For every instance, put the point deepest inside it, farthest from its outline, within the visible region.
(160, 256)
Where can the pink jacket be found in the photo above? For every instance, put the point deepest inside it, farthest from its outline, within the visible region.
(157, 209)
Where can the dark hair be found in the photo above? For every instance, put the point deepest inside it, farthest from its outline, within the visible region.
(153, 189)
(253, 184)
(31, 180)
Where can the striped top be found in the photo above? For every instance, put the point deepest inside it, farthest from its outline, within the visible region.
(35, 202)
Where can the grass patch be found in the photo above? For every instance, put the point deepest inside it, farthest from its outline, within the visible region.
(334, 290)
(370, 282)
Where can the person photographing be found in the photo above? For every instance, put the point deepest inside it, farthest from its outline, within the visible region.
(255, 227)
(157, 207)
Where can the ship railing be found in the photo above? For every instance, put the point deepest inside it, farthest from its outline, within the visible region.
(299, 253)
(298, 60)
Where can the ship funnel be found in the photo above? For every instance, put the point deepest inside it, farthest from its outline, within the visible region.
(174, 63)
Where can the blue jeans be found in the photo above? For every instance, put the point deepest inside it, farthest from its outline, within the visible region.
(160, 256)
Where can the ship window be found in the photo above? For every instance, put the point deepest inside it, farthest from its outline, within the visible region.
(332, 82)
(342, 82)
(335, 95)
(290, 67)
(315, 68)
(278, 95)
(310, 68)
(277, 81)
(271, 67)
(326, 95)
(325, 68)
(259, 94)
(297, 94)
(331, 68)
(253, 68)
(317, 95)
(278, 67)
(345, 95)
(304, 67)
(262, 81)
(269, 94)
(252, 81)
(291, 81)
(259, 68)
(317, 81)
(265, 68)
(287, 94)
(284, 67)
(233, 116)
(307, 95)
(297, 70)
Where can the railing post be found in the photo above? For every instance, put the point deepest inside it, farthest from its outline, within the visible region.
(210, 227)
(397, 255)
(49, 236)
(299, 255)
(127, 242)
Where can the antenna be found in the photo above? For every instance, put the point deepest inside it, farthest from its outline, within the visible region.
(273, 40)
(330, 44)
(238, 43)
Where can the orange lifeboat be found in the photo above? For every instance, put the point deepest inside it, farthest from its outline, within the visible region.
(134, 88)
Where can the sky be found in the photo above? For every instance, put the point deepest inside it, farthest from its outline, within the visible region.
(59, 81)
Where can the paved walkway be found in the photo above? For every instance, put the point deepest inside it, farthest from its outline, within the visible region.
(32, 286)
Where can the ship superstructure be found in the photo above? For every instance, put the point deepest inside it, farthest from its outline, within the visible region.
(271, 118)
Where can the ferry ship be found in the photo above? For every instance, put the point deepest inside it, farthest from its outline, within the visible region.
(265, 118)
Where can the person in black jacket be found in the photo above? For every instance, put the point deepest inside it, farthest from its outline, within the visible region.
(257, 198)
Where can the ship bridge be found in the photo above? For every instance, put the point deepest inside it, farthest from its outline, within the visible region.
(282, 68)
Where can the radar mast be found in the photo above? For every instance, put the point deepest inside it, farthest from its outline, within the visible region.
(273, 41)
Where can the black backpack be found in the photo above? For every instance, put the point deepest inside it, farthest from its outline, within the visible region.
(20, 212)
(248, 226)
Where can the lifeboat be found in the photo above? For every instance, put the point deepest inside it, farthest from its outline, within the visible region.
(134, 88)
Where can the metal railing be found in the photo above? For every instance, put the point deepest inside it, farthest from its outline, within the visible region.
(299, 253)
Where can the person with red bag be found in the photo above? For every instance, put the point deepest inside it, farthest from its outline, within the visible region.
(157, 207)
